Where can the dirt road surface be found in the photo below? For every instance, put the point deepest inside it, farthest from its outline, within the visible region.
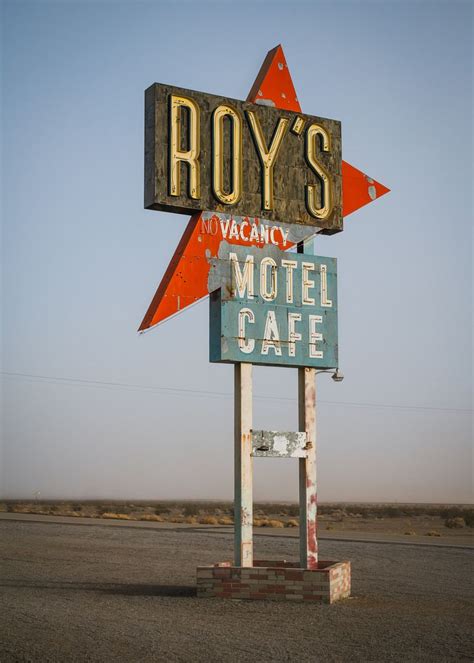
(94, 592)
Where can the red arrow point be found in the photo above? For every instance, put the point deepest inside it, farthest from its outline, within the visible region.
(185, 280)
(273, 84)
(358, 189)
(381, 189)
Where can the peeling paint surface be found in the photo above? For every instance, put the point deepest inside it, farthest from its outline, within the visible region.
(307, 470)
(301, 330)
(274, 444)
(243, 465)
(265, 102)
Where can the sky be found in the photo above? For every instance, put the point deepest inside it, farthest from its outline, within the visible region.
(90, 408)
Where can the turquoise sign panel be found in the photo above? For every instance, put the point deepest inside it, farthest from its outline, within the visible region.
(275, 308)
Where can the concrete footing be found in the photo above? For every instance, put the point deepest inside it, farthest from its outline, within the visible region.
(276, 581)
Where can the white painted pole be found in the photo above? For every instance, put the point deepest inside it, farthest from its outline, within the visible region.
(307, 469)
(243, 504)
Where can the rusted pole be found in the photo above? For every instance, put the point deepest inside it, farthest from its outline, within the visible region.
(307, 466)
(243, 508)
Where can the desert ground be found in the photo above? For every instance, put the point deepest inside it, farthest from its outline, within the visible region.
(85, 589)
(441, 521)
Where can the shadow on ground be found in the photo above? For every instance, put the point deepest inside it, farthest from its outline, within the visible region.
(123, 589)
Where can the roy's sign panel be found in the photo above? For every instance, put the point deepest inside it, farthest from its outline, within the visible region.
(206, 152)
(274, 308)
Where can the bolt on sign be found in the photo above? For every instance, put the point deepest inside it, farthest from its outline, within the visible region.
(274, 308)
(205, 152)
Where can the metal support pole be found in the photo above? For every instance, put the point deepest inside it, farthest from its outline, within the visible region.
(308, 488)
(307, 466)
(243, 507)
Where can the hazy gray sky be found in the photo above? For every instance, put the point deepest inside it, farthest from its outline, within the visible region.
(81, 258)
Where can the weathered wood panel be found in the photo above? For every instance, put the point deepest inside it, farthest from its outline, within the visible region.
(292, 170)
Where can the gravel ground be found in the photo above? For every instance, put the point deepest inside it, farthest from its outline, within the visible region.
(100, 593)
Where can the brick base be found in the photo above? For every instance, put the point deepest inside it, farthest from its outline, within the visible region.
(280, 580)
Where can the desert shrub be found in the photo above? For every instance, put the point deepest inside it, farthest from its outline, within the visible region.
(393, 512)
(410, 532)
(74, 507)
(275, 523)
(161, 509)
(3, 507)
(208, 520)
(102, 509)
(118, 516)
(190, 520)
(289, 510)
(191, 510)
(176, 519)
(152, 517)
(329, 526)
(468, 516)
(125, 508)
(268, 522)
(226, 520)
(455, 523)
(448, 512)
(24, 508)
(292, 523)
(432, 532)
(293, 510)
(360, 511)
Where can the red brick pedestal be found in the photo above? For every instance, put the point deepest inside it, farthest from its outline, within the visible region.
(280, 580)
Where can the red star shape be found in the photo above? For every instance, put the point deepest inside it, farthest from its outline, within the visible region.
(186, 279)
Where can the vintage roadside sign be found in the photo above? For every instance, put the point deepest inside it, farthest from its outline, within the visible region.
(205, 152)
(262, 179)
(274, 308)
(186, 280)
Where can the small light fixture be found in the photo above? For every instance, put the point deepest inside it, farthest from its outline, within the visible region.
(338, 376)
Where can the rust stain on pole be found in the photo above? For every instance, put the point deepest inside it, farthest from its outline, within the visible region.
(307, 469)
(243, 464)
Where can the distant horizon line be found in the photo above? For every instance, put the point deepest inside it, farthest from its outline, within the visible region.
(226, 500)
